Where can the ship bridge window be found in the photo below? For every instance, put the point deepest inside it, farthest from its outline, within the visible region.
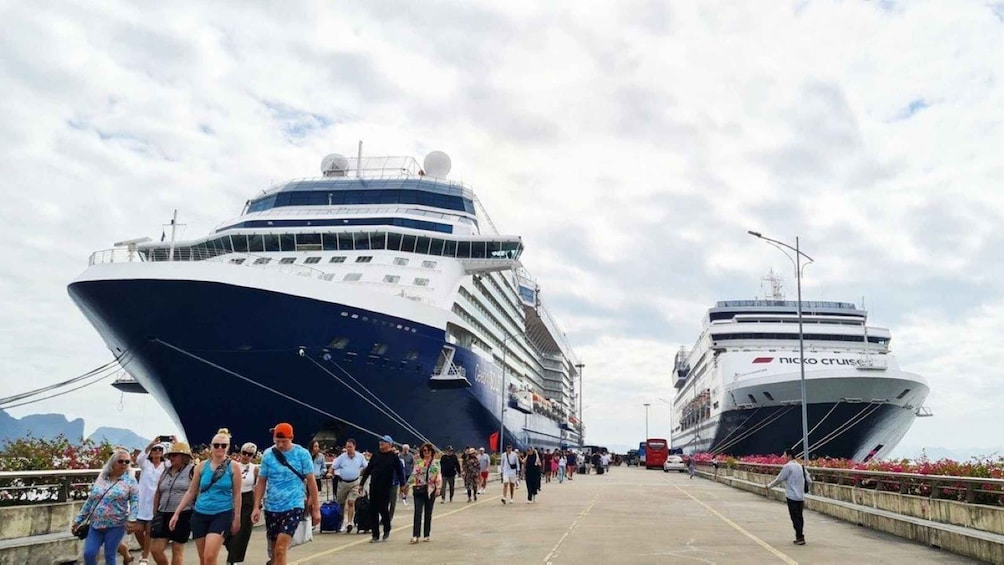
(287, 260)
(364, 259)
(262, 261)
(271, 242)
(337, 259)
(391, 278)
(794, 336)
(312, 260)
(351, 277)
(400, 261)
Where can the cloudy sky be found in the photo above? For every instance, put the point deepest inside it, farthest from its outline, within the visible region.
(631, 144)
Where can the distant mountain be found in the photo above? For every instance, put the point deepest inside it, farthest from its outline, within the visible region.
(46, 426)
(953, 453)
(49, 426)
(119, 436)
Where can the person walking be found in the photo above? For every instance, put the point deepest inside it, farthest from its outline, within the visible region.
(449, 466)
(560, 463)
(796, 480)
(287, 482)
(395, 484)
(691, 466)
(319, 464)
(472, 474)
(216, 490)
(510, 473)
(111, 508)
(570, 462)
(237, 544)
(485, 462)
(409, 467)
(151, 464)
(384, 467)
(426, 481)
(531, 464)
(173, 484)
(348, 467)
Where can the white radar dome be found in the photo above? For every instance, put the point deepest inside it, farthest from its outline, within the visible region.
(437, 164)
(334, 165)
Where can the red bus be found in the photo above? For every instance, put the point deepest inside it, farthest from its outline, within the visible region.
(656, 452)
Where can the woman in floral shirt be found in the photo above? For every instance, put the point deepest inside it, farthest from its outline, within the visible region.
(426, 482)
(472, 474)
(112, 502)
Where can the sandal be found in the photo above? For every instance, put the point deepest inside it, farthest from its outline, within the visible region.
(413, 541)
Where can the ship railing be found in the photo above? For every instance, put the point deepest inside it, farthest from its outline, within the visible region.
(968, 490)
(25, 488)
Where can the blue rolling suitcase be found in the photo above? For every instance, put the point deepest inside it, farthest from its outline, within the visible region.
(331, 517)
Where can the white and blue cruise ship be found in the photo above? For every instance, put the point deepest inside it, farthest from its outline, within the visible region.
(739, 387)
(376, 299)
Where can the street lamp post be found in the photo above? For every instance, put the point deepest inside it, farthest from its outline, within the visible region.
(797, 261)
(579, 367)
(646, 420)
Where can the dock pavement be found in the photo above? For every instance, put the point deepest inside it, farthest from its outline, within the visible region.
(627, 516)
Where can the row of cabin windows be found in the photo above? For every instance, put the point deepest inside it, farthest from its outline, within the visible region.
(794, 336)
(341, 241)
(337, 259)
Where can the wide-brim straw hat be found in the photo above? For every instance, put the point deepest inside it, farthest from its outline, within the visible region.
(179, 448)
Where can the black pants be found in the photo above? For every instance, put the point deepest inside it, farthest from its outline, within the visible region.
(448, 482)
(423, 509)
(237, 544)
(795, 508)
(379, 511)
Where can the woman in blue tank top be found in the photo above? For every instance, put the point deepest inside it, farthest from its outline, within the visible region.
(217, 493)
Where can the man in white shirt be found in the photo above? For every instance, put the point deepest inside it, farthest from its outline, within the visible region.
(347, 467)
(510, 472)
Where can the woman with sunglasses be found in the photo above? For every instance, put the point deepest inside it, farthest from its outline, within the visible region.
(151, 464)
(426, 483)
(216, 490)
(112, 503)
(237, 544)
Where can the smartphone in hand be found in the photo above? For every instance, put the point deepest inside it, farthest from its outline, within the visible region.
(164, 438)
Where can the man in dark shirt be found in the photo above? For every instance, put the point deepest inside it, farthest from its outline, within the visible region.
(383, 468)
(449, 465)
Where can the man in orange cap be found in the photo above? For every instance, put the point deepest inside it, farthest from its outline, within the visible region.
(286, 476)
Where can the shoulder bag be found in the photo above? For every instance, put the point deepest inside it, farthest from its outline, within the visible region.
(85, 526)
(805, 480)
(217, 475)
(281, 457)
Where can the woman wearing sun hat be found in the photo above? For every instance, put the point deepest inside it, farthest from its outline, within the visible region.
(237, 544)
(171, 488)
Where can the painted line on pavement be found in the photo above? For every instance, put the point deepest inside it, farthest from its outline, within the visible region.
(561, 540)
(777, 553)
(366, 538)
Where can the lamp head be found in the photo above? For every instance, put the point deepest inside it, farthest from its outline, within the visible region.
(754, 233)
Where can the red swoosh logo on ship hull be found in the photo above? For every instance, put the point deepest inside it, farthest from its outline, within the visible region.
(763, 359)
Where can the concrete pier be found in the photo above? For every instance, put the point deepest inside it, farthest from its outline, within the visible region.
(628, 516)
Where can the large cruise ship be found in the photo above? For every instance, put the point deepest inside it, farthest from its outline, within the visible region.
(376, 299)
(739, 389)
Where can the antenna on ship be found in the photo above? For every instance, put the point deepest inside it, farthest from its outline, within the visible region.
(359, 161)
(174, 227)
(776, 286)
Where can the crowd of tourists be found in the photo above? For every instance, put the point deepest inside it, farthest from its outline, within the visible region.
(216, 496)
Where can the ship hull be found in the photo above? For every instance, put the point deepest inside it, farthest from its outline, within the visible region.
(228, 354)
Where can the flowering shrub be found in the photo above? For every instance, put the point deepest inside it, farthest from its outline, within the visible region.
(991, 467)
(39, 454)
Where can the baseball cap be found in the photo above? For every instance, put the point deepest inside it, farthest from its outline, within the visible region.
(282, 431)
(387, 439)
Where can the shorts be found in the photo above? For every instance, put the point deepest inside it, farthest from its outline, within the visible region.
(484, 474)
(282, 522)
(510, 478)
(205, 524)
(160, 529)
(347, 491)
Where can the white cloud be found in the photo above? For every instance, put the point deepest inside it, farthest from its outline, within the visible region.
(630, 144)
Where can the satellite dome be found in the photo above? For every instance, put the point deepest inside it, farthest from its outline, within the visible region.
(334, 165)
(437, 164)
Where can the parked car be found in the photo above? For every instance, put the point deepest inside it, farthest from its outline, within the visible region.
(674, 463)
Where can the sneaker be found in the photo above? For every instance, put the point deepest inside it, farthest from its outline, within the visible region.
(342, 530)
(386, 536)
(799, 542)
(503, 500)
(348, 529)
(426, 539)
(375, 540)
(405, 501)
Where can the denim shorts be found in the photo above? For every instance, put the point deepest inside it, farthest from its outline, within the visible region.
(205, 524)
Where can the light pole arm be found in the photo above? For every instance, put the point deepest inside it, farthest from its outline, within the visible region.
(782, 244)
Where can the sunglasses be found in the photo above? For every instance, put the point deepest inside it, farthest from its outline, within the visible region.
(123, 461)
(248, 454)
(221, 445)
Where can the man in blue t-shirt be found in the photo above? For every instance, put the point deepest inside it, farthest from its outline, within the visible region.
(286, 480)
